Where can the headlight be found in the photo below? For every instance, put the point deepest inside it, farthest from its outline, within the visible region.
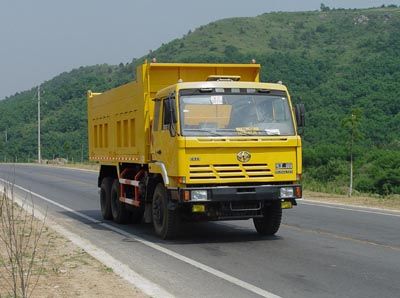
(287, 192)
(198, 195)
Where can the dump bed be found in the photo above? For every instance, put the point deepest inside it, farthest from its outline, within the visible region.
(119, 119)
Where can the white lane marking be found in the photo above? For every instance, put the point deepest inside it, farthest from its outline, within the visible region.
(215, 272)
(50, 167)
(353, 208)
(140, 282)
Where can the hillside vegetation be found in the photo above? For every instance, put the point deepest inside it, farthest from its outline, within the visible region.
(338, 62)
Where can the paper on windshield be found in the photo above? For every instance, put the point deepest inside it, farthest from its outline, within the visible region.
(273, 132)
(216, 99)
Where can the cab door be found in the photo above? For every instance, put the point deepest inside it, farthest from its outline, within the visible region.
(164, 133)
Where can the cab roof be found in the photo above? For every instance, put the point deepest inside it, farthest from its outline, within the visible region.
(219, 84)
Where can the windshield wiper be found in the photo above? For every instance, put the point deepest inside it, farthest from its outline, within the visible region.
(252, 132)
(203, 130)
(255, 132)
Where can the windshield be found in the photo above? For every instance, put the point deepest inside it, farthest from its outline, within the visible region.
(241, 113)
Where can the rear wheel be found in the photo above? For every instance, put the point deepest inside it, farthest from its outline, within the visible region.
(165, 221)
(105, 197)
(119, 212)
(137, 215)
(269, 224)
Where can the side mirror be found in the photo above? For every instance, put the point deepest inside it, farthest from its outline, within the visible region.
(300, 112)
(170, 109)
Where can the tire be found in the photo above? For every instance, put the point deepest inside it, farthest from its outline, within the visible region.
(105, 197)
(269, 224)
(119, 213)
(165, 221)
(137, 215)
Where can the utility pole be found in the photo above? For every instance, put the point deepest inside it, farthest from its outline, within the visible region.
(6, 136)
(351, 156)
(39, 149)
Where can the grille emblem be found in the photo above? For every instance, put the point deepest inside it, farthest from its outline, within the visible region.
(243, 156)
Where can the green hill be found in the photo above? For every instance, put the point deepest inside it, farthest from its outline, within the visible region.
(336, 62)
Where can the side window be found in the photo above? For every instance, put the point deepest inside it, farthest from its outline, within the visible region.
(166, 114)
(156, 119)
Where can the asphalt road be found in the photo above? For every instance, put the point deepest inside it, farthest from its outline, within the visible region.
(320, 251)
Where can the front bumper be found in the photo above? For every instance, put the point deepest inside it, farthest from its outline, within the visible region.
(230, 202)
(237, 193)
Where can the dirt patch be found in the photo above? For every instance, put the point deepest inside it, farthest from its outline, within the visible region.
(391, 203)
(68, 271)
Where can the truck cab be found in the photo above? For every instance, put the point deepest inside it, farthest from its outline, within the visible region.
(231, 150)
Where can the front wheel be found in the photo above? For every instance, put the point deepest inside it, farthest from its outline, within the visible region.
(269, 224)
(165, 221)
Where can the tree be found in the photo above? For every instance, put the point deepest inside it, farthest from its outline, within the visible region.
(231, 52)
(323, 7)
(351, 124)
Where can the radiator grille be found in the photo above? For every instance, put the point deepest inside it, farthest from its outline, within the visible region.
(229, 171)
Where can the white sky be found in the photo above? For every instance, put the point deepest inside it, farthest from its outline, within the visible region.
(42, 38)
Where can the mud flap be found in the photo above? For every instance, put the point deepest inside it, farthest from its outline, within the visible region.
(148, 217)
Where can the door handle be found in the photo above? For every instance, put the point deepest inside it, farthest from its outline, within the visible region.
(158, 151)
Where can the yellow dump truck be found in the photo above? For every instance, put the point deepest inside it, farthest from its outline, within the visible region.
(193, 142)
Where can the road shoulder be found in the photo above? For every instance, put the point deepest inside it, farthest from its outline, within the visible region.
(391, 204)
(91, 273)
